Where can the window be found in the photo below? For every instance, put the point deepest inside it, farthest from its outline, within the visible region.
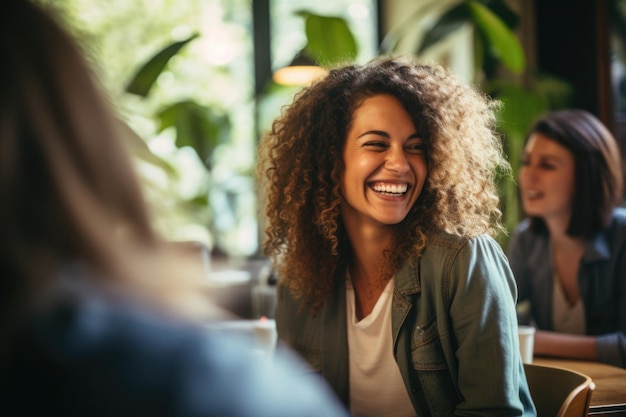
(214, 71)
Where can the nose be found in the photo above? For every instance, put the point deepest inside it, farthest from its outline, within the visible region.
(396, 160)
(527, 173)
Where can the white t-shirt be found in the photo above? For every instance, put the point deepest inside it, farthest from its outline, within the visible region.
(376, 386)
(566, 318)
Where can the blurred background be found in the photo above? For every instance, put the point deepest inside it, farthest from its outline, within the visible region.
(193, 82)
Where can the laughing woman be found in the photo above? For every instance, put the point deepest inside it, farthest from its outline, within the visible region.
(569, 255)
(381, 202)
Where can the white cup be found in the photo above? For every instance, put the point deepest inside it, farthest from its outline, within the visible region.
(526, 342)
(265, 335)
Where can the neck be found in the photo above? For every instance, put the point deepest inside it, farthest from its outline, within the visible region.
(565, 248)
(368, 247)
(368, 282)
(557, 225)
(567, 244)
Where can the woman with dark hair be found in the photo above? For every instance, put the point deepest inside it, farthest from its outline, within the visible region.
(569, 255)
(381, 204)
(95, 311)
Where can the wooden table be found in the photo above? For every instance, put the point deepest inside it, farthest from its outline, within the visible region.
(609, 397)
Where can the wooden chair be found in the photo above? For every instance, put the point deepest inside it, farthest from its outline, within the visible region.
(559, 392)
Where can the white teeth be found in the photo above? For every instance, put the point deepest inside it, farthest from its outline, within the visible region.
(390, 188)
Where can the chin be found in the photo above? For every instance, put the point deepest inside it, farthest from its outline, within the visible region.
(530, 211)
(529, 205)
(393, 221)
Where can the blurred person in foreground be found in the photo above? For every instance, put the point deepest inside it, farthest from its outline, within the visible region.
(569, 255)
(381, 204)
(96, 313)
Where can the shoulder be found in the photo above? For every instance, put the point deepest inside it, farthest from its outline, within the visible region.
(613, 237)
(618, 219)
(461, 255)
(475, 264)
(140, 347)
(67, 351)
(444, 241)
(523, 233)
(161, 365)
(444, 244)
(615, 232)
(524, 239)
(94, 325)
(522, 227)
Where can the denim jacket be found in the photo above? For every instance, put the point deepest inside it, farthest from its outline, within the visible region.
(454, 332)
(601, 278)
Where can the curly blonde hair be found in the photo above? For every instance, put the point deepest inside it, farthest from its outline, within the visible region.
(300, 166)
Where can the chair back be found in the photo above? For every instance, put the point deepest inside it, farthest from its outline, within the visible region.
(559, 392)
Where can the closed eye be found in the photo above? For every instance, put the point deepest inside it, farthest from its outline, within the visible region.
(417, 148)
(376, 145)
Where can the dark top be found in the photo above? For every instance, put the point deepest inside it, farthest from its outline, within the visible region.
(601, 278)
(97, 356)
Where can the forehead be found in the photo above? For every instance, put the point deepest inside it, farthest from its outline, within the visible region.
(381, 110)
(542, 145)
(377, 101)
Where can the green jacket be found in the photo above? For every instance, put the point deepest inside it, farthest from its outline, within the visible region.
(454, 330)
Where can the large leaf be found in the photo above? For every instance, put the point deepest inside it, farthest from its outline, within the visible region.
(522, 105)
(421, 9)
(140, 150)
(521, 108)
(147, 75)
(329, 39)
(501, 9)
(501, 39)
(196, 126)
(447, 24)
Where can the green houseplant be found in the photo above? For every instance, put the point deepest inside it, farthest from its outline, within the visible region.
(198, 126)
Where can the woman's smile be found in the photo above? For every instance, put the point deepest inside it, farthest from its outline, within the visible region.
(389, 189)
(385, 163)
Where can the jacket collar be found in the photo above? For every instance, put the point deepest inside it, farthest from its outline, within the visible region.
(597, 249)
(408, 280)
(407, 283)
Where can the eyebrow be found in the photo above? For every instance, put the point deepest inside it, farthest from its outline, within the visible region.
(544, 157)
(382, 133)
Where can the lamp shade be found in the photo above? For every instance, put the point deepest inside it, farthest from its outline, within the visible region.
(300, 72)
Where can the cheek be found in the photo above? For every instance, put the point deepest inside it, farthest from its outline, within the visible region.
(526, 178)
(420, 167)
(350, 178)
(563, 189)
(358, 169)
(567, 189)
(521, 175)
